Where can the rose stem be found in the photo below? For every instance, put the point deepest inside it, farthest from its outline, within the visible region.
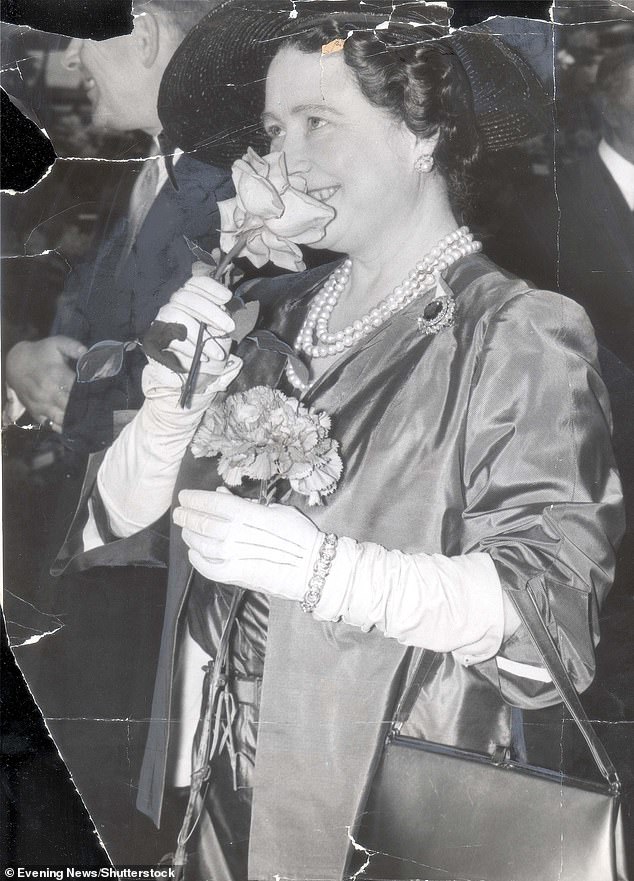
(225, 260)
(193, 370)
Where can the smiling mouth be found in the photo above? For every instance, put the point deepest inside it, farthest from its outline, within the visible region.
(324, 194)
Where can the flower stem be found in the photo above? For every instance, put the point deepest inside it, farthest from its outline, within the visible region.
(263, 497)
(228, 258)
(225, 261)
(188, 388)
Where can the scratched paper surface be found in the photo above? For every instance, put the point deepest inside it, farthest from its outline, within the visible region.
(76, 135)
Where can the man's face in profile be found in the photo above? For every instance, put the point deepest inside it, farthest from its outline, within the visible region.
(110, 71)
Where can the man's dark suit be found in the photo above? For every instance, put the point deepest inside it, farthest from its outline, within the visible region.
(117, 295)
(574, 233)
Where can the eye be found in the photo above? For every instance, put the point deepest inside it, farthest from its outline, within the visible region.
(273, 131)
(315, 122)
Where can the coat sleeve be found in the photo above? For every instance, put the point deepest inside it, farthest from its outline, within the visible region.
(148, 547)
(542, 494)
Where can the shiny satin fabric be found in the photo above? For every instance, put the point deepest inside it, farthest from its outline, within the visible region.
(492, 435)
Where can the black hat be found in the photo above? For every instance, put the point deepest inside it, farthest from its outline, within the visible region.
(212, 93)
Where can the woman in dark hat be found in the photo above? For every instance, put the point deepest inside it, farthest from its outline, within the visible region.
(471, 420)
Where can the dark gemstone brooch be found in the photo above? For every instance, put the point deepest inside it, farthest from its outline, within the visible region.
(437, 315)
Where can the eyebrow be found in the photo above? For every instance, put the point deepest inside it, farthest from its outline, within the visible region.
(303, 108)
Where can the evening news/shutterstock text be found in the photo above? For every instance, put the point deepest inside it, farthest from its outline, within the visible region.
(153, 873)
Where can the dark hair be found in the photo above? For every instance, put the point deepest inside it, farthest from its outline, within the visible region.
(422, 84)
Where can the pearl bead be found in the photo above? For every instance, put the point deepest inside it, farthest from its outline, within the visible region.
(423, 278)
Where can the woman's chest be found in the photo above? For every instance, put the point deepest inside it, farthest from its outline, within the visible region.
(398, 415)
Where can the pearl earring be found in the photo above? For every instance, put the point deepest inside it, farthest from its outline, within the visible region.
(424, 164)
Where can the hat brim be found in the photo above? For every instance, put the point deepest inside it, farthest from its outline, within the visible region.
(212, 93)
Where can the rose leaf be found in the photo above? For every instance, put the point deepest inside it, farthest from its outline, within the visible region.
(200, 253)
(245, 316)
(265, 339)
(103, 360)
(157, 338)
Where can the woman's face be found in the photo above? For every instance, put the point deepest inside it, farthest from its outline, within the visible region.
(353, 155)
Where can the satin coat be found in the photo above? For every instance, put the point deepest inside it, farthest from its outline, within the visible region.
(493, 435)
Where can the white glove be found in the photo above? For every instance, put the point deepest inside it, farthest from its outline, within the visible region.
(447, 604)
(200, 300)
(137, 476)
(232, 540)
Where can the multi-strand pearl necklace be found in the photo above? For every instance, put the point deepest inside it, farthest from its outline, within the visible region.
(317, 341)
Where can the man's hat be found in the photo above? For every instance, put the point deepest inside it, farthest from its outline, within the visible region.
(212, 93)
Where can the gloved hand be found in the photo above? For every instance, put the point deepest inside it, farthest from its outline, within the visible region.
(447, 604)
(200, 300)
(232, 540)
(137, 476)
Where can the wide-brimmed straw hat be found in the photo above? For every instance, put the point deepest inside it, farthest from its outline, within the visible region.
(212, 93)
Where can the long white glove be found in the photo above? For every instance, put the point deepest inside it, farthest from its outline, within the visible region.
(447, 604)
(137, 476)
(237, 541)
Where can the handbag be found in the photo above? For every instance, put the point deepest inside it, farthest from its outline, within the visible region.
(439, 812)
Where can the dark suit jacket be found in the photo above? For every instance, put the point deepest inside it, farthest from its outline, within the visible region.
(575, 234)
(116, 297)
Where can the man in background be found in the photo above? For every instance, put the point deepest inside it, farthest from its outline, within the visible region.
(137, 265)
(576, 234)
(93, 677)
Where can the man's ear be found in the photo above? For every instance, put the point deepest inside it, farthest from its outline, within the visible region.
(147, 36)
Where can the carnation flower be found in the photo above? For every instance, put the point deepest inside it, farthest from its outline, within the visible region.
(271, 213)
(264, 435)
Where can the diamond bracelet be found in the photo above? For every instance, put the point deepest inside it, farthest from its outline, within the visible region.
(326, 555)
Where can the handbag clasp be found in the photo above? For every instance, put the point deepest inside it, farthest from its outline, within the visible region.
(501, 756)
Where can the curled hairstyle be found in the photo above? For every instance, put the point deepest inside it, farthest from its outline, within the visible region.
(421, 84)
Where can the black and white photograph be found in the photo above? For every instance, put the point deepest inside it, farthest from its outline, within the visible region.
(318, 440)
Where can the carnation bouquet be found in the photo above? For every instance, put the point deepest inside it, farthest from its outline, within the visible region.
(261, 434)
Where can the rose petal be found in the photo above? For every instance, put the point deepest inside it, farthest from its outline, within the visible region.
(256, 250)
(277, 173)
(298, 182)
(255, 194)
(257, 162)
(304, 218)
(283, 252)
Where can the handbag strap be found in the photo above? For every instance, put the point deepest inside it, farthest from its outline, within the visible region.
(531, 616)
(528, 610)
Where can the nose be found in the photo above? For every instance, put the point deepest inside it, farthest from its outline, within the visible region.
(71, 59)
(296, 152)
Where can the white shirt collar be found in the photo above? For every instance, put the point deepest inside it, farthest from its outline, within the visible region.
(621, 169)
